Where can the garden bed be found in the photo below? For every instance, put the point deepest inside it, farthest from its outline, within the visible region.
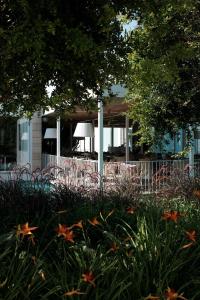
(64, 244)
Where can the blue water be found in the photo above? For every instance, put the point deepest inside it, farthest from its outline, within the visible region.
(46, 187)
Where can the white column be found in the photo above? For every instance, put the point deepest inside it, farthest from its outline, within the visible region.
(93, 138)
(71, 136)
(58, 142)
(112, 138)
(100, 136)
(30, 143)
(127, 138)
(121, 136)
(36, 140)
(191, 154)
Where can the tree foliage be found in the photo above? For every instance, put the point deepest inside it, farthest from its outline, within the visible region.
(164, 81)
(74, 45)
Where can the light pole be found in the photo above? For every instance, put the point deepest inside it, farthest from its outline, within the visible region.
(58, 142)
(100, 136)
(191, 154)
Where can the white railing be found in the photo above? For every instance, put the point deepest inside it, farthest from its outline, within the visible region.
(7, 162)
(74, 171)
(6, 175)
(150, 176)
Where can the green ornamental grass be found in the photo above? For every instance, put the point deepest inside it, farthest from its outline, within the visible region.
(87, 249)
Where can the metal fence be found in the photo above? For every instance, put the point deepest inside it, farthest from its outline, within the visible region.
(7, 162)
(150, 176)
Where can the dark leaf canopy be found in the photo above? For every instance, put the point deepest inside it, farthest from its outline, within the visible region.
(74, 45)
(164, 82)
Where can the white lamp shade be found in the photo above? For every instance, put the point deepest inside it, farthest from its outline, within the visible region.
(24, 136)
(50, 133)
(84, 130)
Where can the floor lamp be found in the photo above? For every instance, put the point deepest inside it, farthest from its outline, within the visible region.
(50, 134)
(84, 130)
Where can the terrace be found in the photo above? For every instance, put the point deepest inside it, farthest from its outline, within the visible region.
(148, 176)
(78, 156)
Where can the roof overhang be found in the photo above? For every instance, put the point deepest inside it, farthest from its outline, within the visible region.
(114, 110)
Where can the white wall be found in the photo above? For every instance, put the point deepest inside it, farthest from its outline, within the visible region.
(23, 146)
(29, 150)
(118, 139)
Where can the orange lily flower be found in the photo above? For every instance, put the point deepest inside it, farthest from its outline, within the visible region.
(192, 236)
(114, 247)
(69, 236)
(94, 221)
(25, 229)
(196, 193)
(73, 292)
(131, 210)
(89, 278)
(150, 297)
(65, 231)
(171, 215)
(172, 295)
(79, 225)
(61, 230)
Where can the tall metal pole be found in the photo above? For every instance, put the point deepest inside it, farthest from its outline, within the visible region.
(191, 154)
(30, 144)
(58, 142)
(112, 139)
(71, 136)
(93, 138)
(127, 138)
(100, 136)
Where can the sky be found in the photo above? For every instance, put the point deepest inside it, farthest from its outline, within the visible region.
(129, 26)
